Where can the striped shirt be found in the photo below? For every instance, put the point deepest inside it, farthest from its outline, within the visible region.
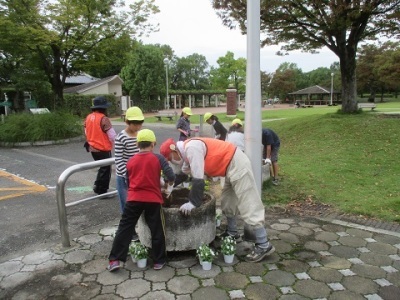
(125, 148)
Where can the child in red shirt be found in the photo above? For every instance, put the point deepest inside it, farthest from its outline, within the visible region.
(144, 195)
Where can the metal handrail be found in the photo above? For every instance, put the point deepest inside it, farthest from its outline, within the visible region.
(60, 194)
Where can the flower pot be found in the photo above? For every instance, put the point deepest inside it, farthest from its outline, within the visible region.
(142, 263)
(206, 265)
(133, 258)
(218, 222)
(228, 258)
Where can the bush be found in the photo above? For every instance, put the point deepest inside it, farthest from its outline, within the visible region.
(26, 127)
(79, 105)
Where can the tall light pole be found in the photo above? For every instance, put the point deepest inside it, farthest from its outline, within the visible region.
(332, 88)
(166, 62)
(253, 91)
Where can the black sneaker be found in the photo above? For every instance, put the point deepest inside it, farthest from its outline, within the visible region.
(237, 236)
(275, 182)
(259, 253)
(135, 238)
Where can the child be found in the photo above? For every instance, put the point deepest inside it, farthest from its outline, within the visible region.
(125, 148)
(236, 134)
(220, 130)
(183, 124)
(144, 195)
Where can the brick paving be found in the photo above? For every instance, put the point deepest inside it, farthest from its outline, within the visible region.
(315, 258)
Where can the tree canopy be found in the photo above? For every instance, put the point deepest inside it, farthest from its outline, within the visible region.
(63, 33)
(311, 25)
(230, 71)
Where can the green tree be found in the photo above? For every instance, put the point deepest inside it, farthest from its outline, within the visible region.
(368, 79)
(144, 76)
(63, 32)
(311, 25)
(107, 58)
(230, 71)
(388, 65)
(191, 72)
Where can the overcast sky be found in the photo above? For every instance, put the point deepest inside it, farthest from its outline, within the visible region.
(192, 26)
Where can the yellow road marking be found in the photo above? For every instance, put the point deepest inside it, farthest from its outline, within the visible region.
(27, 187)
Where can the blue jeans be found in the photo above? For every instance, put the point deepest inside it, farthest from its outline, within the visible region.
(122, 188)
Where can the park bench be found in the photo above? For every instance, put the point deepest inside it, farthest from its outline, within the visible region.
(168, 115)
(366, 105)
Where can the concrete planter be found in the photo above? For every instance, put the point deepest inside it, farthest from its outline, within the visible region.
(184, 233)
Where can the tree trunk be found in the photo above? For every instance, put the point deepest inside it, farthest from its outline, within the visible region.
(349, 86)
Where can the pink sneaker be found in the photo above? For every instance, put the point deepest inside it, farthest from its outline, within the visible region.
(113, 265)
(158, 266)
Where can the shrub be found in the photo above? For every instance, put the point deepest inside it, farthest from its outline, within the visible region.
(26, 127)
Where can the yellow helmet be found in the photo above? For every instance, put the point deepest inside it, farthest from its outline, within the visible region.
(134, 113)
(237, 121)
(207, 115)
(187, 111)
(146, 135)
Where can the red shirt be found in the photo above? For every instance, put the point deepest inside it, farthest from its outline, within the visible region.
(144, 171)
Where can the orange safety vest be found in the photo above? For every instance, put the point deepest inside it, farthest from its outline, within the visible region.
(95, 136)
(218, 156)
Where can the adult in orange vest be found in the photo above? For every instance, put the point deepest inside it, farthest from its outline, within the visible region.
(216, 158)
(100, 137)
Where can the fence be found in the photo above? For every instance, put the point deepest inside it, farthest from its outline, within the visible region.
(60, 194)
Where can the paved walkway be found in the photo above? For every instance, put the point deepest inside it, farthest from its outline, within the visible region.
(314, 259)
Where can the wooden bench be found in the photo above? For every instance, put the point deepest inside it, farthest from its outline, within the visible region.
(168, 115)
(366, 105)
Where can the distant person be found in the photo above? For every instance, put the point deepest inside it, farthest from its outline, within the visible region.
(220, 130)
(100, 137)
(236, 134)
(144, 196)
(125, 148)
(271, 143)
(183, 124)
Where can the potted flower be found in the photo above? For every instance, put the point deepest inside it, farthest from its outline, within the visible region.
(206, 256)
(218, 216)
(228, 248)
(139, 254)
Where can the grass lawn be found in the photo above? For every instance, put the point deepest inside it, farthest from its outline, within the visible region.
(348, 161)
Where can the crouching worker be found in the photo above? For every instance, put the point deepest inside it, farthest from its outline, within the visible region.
(144, 195)
(169, 151)
(214, 158)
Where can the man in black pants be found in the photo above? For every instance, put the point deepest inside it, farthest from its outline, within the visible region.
(99, 141)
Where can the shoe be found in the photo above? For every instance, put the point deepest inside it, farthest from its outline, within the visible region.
(275, 182)
(113, 265)
(158, 266)
(259, 253)
(135, 238)
(237, 236)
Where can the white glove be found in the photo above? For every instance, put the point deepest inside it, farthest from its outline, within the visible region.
(267, 161)
(168, 190)
(186, 208)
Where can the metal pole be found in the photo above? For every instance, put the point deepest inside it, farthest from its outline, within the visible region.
(253, 91)
(166, 61)
(60, 193)
(331, 88)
